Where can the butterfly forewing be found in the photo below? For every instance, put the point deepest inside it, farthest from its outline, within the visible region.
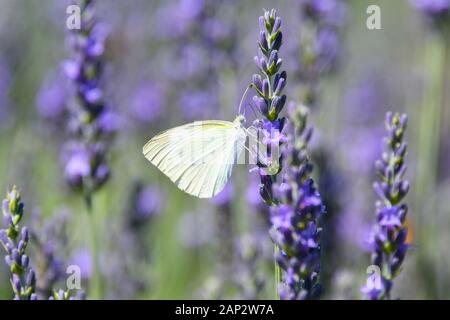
(198, 157)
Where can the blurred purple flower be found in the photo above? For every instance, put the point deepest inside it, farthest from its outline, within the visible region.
(50, 238)
(82, 259)
(432, 6)
(436, 12)
(5, 79)
(224, 197)
(362, 103)
(175, 20)
(217, 31)
(373, 291)
(319, 49)
(109, 122)
(352, 228)
(330, 12)
(252, 194)
(149, 202)
(52, 98)
(78, 167)
(148, 103)
(203, 44)
(91, 122)
(326, 49)
(193, 62)
(365, 98)
(192, 104)
(253, 251)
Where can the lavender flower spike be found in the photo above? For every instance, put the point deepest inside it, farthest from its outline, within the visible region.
(295, 203)
(295, 222)
(388, 243)
(91, 122)
(270, 101)
(15, 240)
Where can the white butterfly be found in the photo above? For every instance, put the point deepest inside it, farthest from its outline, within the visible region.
(198, 157)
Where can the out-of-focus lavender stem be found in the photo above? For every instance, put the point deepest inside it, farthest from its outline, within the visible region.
(278, 272)
(429, 132)
(96, 289)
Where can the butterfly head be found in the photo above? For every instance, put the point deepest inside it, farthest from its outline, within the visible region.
(240, 120)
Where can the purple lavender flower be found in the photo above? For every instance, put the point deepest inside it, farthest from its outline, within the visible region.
(49, 240)
(149, 201)
(203, 46)
(436, 12)
(176, 20)
(52, 98)
(148, 103)
(252, 195)
(295, 221)
(224, 197)
(329, 12)
(270, 100)
(318, 50)
(91, 121)
(83, 259)
(85, 167)
(389, 239)
(15, 240)
(4, 99)
(432, 6)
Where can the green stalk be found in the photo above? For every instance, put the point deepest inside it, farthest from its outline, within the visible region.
(96, 282)
(278, 272)
(429, 133)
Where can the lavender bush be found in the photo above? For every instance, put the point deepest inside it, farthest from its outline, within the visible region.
(389, 240)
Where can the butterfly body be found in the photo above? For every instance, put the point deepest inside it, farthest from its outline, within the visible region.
(198, 157)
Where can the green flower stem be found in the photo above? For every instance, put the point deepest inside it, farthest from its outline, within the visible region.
(96, 288)
(278, 273)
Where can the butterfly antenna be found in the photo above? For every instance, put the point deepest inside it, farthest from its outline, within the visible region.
(243, 97)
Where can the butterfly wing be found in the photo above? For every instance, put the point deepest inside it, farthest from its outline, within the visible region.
(198, 157)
